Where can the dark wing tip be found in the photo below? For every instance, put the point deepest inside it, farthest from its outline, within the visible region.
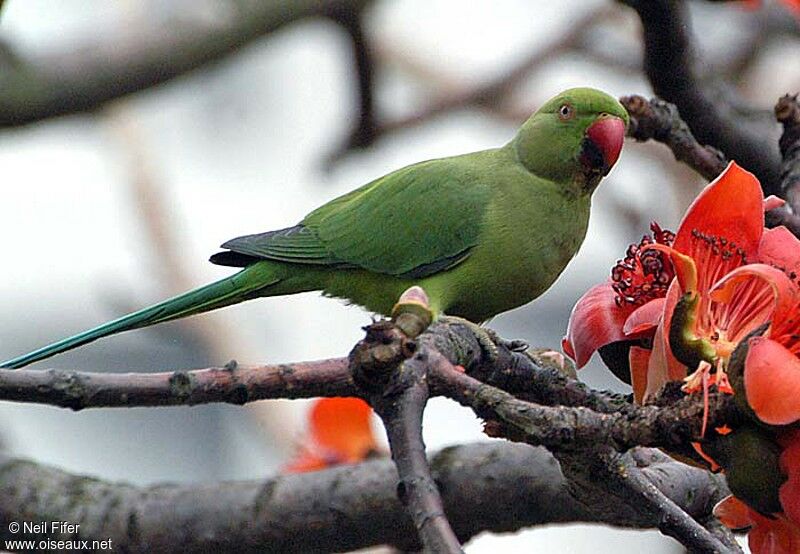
(232, 259)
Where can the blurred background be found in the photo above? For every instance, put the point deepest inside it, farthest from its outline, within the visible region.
(106, 212)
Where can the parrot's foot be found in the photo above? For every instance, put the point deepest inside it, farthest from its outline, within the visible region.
(487, 338)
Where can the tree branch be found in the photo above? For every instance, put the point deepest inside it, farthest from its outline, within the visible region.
(566, 411)
(393, 368)
(660, 121)
(670, 67)
(575, 428)
(364, 130)
(493, 92)
(136, 58)
(416, 489)
(485, 487)
(787, 111)
(233, 384)
(238, 384)
(607, 480)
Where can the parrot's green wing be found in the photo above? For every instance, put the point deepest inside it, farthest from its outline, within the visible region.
(297, 244)
(411, 223)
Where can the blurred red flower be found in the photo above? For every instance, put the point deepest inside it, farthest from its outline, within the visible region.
(340, 432)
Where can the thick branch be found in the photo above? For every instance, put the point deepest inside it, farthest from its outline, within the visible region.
(670, 67)
(609, 480)
(136, 58)
(494, 487)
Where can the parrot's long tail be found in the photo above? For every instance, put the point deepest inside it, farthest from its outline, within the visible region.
(237, 288)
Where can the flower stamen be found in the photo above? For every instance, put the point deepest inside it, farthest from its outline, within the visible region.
(643, 274)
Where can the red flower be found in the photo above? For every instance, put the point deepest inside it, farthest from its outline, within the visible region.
(733, 281)
(714, 307)
(340, 432)
(772, 367)
(716, 236)
(626, 307)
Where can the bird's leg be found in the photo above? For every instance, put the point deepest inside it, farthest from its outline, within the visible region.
(487, 338)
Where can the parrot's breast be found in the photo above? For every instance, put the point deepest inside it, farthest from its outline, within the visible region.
(530, 234)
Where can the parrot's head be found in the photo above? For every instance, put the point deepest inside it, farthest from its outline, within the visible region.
(575, 138)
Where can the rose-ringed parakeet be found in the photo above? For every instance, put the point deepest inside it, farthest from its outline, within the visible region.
(482, 232)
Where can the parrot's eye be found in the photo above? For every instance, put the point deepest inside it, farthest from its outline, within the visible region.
(566, 112)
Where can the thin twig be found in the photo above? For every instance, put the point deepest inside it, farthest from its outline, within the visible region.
(660, 121)
(231, 384)
(492, 93)
(561, 430)
(569, 428)
(392, 368)
(673, 521)
(787, 112)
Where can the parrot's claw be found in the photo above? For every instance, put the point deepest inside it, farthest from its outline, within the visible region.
(487, 338)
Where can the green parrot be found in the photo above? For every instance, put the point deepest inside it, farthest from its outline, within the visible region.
(482, 232)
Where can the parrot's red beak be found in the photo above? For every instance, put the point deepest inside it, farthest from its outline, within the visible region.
(607, 134)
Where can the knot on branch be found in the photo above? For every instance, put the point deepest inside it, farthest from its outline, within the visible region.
(375, 359)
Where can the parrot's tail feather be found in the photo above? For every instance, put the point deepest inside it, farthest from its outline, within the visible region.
(231, 290)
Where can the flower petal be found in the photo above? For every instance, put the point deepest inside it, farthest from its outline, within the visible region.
(732, 204)
(771, 202)
(733, 513)
(755, 294)
(774, 536)
(685, 267)
(657, 366)
(644, 318)
(638, 359)
(772, 381)
(343, 426)
(596, 320)
(780, 248)
(676, 371)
